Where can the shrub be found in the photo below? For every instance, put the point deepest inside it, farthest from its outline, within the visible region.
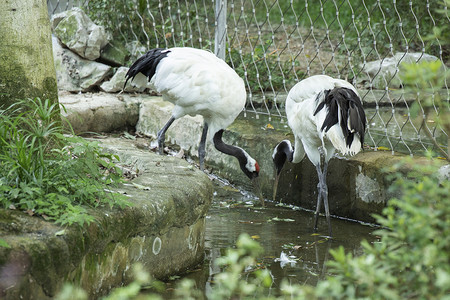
(44, 172)
(411, 261)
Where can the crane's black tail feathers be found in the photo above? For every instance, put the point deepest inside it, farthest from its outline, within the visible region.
(345, 102)
(146, 64)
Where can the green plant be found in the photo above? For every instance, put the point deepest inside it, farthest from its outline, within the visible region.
(45, 172)
(411, 261)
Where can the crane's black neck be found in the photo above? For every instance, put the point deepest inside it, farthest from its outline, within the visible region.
(283, 152)
(237, 152)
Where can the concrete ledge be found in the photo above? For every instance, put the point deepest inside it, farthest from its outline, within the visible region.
(100, 112)
(164, 230)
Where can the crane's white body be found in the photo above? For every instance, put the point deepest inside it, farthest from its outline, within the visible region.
(301, 103)
(199, 83)
(324, 114)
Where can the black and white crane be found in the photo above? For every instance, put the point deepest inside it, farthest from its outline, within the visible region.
(198, 83)
(324, 114)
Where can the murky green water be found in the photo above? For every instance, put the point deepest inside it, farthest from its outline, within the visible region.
(277, 229)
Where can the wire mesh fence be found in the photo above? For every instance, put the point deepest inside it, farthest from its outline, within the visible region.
(273, 44)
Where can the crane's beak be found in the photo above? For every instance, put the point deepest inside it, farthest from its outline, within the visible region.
(275, 185)
(257, 189)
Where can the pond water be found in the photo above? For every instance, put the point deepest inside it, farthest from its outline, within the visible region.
(278, 229)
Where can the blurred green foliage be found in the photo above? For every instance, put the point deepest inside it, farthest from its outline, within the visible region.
(411, 261)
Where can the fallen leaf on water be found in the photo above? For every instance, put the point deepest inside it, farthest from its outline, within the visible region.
(30, 212)
(383, 148)
(255, 237)
(280, 220)
(322, 241)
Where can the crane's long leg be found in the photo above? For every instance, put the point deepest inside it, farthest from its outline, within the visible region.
(202, 147)
(162, 135)
(319, 197)
(322, 194)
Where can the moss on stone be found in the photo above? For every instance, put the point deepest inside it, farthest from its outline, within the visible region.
(67, 28)
(15, 85)
(26, 58)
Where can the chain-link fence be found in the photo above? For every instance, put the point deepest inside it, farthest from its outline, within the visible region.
(273, 44)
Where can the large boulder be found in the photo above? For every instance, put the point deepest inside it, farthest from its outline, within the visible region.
(75, 74)
(385, 72)
(78, 33)
(100, 112)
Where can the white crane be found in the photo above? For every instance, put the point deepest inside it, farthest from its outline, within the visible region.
(198, 83)
(324, 114)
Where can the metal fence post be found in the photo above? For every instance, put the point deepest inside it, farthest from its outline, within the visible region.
(220, 34)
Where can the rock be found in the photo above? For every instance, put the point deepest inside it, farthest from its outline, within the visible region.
(75, 74)
(386, 72)
(136, 50)
(100, 112)
(115, 84)
(114, 53)
(78, 33)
